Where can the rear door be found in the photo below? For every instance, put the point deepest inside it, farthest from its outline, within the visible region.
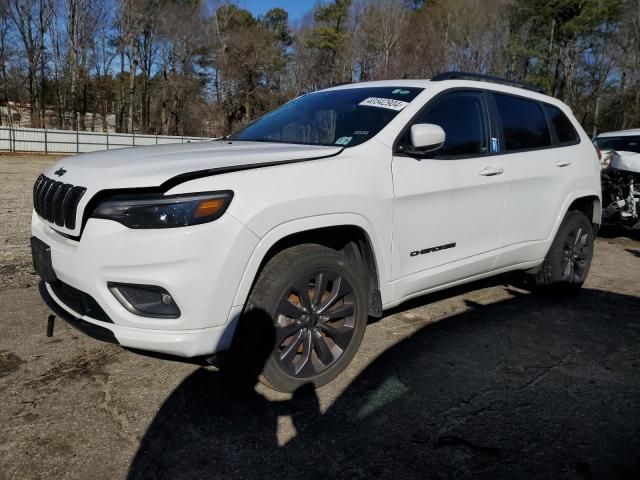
(540, 168)
(448, 209)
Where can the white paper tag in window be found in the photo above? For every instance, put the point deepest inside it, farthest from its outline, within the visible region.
(388, 103)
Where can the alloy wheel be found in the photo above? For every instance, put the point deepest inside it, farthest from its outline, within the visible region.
(314, 323)
(575, 257)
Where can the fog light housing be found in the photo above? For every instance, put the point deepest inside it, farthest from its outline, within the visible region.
(145, 300)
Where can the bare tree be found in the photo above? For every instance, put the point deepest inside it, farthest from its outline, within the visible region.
(24, 15)
(129, 24)
(629, 61)
(102, 56)
(381, 24)
(5, 54)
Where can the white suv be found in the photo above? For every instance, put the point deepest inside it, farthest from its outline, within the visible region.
(338, 205)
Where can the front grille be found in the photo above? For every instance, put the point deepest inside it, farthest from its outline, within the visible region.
(57, 202)
(79, 301)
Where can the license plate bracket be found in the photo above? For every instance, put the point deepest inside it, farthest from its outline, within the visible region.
(41, 255)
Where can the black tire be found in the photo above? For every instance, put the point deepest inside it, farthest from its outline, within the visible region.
(568, 261)
(313, 336)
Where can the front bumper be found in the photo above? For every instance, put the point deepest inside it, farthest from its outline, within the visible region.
(88, 328)
(200, 266)
(180, 343)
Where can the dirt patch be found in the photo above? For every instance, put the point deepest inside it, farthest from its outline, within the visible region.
(84, 365)
(18, 174)
(9, 363)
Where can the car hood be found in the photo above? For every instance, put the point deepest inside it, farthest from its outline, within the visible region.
(158, 164)
(161, 166)
(629, 161)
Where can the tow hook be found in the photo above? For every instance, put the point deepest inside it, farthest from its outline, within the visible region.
(50, 322)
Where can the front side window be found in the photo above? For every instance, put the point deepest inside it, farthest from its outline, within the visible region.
(562, 125)
(524, 125)
(345, 117)
(462, 116)
(619, 144)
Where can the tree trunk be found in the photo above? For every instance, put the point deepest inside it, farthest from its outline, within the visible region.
(73, 60)
(83, 106)
(104, 113)
(163, 118)
(596, 116)
(121, 103)
(34, 109)
(176, 118)
(146, 79)
(43, 59)
(637, 109)
(5, 91)
(57, 68)
(3, 74)
(623, 81)
(133, 66)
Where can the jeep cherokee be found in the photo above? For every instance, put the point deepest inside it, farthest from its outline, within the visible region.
(336, 206)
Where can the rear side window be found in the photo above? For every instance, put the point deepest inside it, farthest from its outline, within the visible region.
(562, 125)
(524, 124)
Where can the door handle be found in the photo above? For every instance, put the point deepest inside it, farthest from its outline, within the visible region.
(491, 171)
(563, 163)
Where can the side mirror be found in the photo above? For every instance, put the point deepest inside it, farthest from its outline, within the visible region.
(427, 137)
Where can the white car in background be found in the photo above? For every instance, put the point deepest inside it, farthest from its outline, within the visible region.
(620, 158)
(335, 207)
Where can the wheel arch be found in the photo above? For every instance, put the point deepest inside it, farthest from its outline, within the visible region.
(590, 205)
(351, 234)
(586, 201)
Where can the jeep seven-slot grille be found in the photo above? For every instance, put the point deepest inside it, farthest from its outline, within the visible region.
(57, 202)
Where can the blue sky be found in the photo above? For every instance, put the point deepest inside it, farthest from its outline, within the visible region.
(296, 8)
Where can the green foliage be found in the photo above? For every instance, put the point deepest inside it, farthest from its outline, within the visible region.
(234, 18)
(571, 18)
(330, 32)
(556, 33)
(276, 20)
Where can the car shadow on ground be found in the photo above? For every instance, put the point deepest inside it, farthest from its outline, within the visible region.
(530, 387)
(617, 231)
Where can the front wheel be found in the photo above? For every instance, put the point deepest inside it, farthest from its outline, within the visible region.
(317, 305)
(567, 264)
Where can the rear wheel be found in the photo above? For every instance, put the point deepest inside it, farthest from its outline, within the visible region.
(567, 264)
(317, 304)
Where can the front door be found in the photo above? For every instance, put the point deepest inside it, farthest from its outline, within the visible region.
(448, 209)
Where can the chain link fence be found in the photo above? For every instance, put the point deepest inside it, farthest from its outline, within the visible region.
(37, 140)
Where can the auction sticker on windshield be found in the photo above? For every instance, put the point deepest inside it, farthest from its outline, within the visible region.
(388, 103)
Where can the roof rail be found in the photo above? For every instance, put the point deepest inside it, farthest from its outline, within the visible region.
(485, 78)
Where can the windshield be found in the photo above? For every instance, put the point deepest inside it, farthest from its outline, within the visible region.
(619, 144)
(346, 117)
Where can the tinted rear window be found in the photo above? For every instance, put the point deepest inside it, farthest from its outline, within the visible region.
(562, 125)
(524, 124)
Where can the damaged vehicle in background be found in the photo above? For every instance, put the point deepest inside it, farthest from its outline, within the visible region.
(620, 158)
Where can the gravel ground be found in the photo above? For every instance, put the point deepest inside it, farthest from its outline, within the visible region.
(485, 381)
(18, 175)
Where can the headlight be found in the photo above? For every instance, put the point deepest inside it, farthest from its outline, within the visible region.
(164, 211)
